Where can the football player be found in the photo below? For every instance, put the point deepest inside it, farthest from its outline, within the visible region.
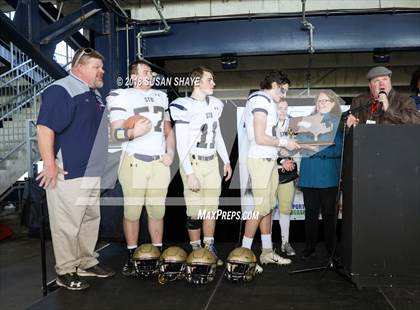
(198, 140)
(261, 120)
(285, 189)
(140, 120)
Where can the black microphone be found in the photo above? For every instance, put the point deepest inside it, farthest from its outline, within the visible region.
(381, 91)
(378, 101)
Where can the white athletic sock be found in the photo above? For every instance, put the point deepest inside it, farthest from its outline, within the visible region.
(266, 241)
(284, 222)
(132, 247)
(195, 243)
(159, 245)
(247, 242)
(208, 240)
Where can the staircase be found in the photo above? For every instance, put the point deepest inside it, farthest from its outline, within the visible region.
(20, 90)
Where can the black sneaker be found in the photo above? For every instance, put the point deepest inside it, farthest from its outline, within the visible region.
(129, 270)
(95, 271)
(71, 281)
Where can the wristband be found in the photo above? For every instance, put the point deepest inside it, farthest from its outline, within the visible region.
(121, 134)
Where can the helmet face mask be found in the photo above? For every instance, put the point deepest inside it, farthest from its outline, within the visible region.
(146, 268)
(172, 271)
(201, 267)
(146, 260)
(241, 265)
(240, 272)
(200, 274)
(172, 265)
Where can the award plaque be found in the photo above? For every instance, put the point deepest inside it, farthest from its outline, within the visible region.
(307, 130)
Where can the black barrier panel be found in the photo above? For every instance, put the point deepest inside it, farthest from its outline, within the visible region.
(381, 209)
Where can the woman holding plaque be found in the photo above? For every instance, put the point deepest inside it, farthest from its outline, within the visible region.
(320, 173)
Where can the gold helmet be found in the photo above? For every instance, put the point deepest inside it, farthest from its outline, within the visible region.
(240, 265)
(201, 266)
(146, 260)
(172, 264)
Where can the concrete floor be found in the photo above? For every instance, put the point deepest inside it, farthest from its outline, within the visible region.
(20, 267)
(20, 285)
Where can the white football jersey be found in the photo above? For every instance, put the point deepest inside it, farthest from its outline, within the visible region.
(203, 119)
(282, 129)
(260, 102)
(153, 104)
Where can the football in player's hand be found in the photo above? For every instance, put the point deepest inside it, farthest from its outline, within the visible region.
(132, 120)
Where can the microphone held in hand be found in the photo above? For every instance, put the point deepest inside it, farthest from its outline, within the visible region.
(377, 99)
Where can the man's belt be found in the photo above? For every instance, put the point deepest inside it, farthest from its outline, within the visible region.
(205, 158)
(147, 158)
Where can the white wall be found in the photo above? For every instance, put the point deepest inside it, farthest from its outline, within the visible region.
(206, 8)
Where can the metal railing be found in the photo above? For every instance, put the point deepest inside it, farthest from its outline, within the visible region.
(13, 116)
(20, 90)
(32, 154)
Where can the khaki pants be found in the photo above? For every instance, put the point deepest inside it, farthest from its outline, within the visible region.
(207, 198)
(143, 183)
(73, 207)
(285, 195)
(264, 181)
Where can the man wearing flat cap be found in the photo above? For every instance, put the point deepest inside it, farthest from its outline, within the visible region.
(383, 105)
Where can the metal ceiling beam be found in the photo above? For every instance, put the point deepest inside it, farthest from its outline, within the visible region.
(64, 27)
(10, 33)
(77, 40)
(48, 12)
(340, 33)
(26, 19)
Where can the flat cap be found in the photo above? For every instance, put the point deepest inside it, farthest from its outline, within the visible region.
(378, 71)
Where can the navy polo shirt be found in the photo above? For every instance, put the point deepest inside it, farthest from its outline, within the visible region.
(75, 113)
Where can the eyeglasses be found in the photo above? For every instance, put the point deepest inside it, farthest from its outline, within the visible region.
(85, 51)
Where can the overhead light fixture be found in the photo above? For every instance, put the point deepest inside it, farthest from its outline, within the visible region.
(229, 61)
(381, 55)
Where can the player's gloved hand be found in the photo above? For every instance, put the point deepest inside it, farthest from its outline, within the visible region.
(193, 183)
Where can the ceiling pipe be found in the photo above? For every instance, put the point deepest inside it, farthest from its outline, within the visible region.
(308, 26)
(147, 33)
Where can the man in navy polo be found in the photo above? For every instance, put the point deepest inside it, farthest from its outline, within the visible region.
(73, 141)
